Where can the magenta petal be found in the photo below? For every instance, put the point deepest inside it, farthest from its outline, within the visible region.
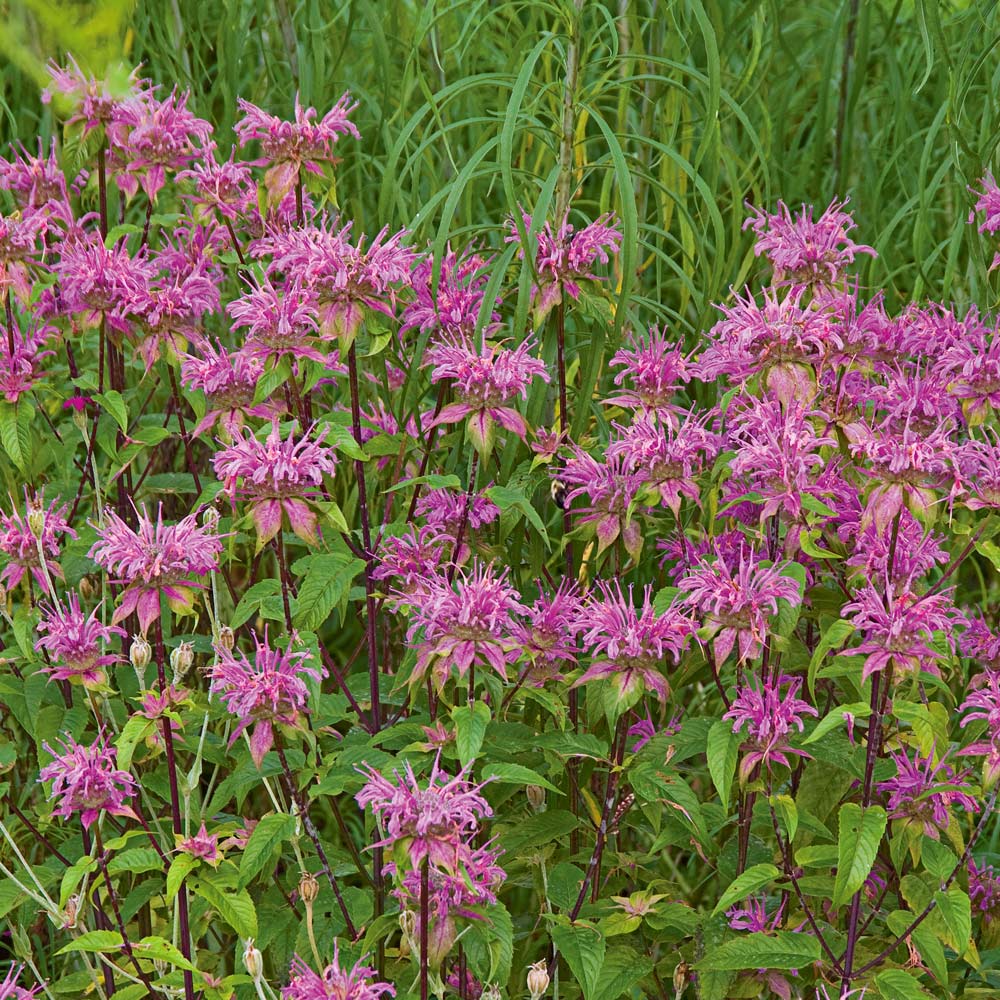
(302, 520)
(261, 740)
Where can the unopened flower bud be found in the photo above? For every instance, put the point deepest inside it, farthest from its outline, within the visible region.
(210, 519)
(139, 654)
(36, 516)
(308, 888)
(88, 588)
(538, 979)
(680, 977)
(536, 797)
(253, 961)
(227, 638)
(491, 992)
(3, 595)
(408, 925)
(181, 658)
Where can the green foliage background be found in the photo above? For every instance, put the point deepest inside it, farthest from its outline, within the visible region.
(704, 105)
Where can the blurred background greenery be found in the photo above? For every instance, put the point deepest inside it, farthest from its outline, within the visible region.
(694, 106)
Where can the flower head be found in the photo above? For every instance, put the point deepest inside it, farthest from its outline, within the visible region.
(485, 380)
(334, 983)
(988, 203)
(653, 368)
(463, 624)
(270, 690)
(203, 845)
(86, 781)
(229, 380)
(31, 542)
(922, 792)
(9, 989)
(94, 103)
(739, 597)
(76, 642)
(21, 368)
(156, 559)
(802, 250)
(277, 477)
(279, 321)
(424, 822)
(630, 644)
(983, 703)
(291, 146)
(453, 308)
(769, 714)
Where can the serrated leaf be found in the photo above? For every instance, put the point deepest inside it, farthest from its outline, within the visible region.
(501, 943)
(470, 729)
(954, 912)
(834, 636)
(234, 906)
(517, 774)
(135, 860)
(930, 948)
(15, 431)
(180, 868)
(722, 753)
(860, 834)
(159, 950)
(835, 719)
(782, 950)
(434, 480)
(73, 876)
(753, 879)
(327, 582)
(251, 601)
(267, 835)
(96, 941)
(583, 947)
(509, 498)
(112, 402)
(622, 969)
(898, 984)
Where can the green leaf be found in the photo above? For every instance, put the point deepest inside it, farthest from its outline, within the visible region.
(861, 833)
(930, 948)
(180, 868)
(133, 733)
(159, 950)
(749, 882)
(898, 984)
(94, 941)
(470, 729)
(832, 638)
(112, 402)
(327, 582)
(234, 906)
(73, 876)
(954, 911)
(542, 828)
(135, 860)
(507, 498)
(435, 481)
(783, 950)
(251, 601)
(15, 431)
(272, 380)
(583, 946)
(835, 719)
(786, 808)
(622, 969)
(517, 774)
(501, 937)
(723, 752)
(267, 835)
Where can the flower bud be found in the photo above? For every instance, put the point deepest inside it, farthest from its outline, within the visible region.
(536, 798)
(71, 914)
(538, 979)
(181, 658)
(680, 977)
(139, 654)
(36, 517)
(408, 925)
(308, 888)
(88, 588)
(3, 595)
(491, 992)
(253, 961)
(227, 638)
(210, 519)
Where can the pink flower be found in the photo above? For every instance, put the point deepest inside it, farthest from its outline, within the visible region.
(335, 983)
(548, 633)
(270, 691)
(277, 322)
(76, 643)
(769, 715)
(290, 146)
(629, 644)
(202, 845)
(983, 703)
(460, 626)
(739, 598)
(18, 248)
(988, 203)
(751, 915)
(85, 780)
(150, 136)
(412, 561)
(485, 380)
(21, 369)
(803, 251)
(345, 278)
(908, 632)
(652, 370)
(277, 477)
(429, 822)
(23, 539)
(156, 559)
(911, 794)
(566, 257)
(447, 510)
(95, 102)
(226, 187)
(9, 990)
(37, 183)
(229, 381)
(984, 891)
(980, 642)
(453, 307)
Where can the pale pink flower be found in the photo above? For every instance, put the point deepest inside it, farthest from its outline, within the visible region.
(269, 691)
(203, 845)
(85, 780)
(9, 989)
(922, 792)
(23, 539)
(335, 983)
(229, 380)
(277, 477)
(77, 643)
(156, 559)
(278, 322)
